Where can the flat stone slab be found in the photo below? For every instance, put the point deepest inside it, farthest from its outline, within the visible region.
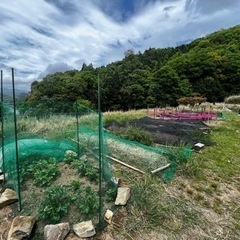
(123, 195)
(56, 231)
(84, 229)
(21, 227)
(8, 197)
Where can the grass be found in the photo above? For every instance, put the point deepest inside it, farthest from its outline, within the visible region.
(121, 116)
(201, 201)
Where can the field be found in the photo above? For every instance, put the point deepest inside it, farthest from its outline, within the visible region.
(202, 200)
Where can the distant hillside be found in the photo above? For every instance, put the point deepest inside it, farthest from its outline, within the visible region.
(19, 94)
(208, 66)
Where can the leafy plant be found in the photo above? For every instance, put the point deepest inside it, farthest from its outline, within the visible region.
(86, 170)
(43, 171)
(55, 204)
(111, 194)
(88, 203)
(70, 157)
(75, 184)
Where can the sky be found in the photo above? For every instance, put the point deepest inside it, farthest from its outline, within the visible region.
(40, 37)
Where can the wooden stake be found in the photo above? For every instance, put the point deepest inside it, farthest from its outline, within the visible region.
(161, 168)
(126, 165)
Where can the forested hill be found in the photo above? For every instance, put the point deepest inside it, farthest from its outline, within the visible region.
(208, 66)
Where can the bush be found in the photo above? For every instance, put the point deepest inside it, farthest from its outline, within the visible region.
(235, 99)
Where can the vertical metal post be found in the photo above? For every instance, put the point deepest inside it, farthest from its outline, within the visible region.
(2, 125)
(16, 141)
(78, 140)
(100, 153)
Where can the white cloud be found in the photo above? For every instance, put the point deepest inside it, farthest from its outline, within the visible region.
(65, 33)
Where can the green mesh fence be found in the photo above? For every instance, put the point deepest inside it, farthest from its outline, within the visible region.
(144, 158)
(10, 169)
(52, 135)
(47, 130)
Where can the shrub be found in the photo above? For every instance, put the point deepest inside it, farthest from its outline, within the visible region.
(191, 100)
(235, 99)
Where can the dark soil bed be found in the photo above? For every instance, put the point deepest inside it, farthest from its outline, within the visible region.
(170, 132)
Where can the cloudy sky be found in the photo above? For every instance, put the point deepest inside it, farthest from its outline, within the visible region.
(38, 37)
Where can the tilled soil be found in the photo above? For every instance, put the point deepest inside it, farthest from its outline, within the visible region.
(170, 132)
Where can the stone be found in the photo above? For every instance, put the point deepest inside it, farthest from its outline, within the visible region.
(8, 197)
(1, 178)
(71, 153)
(84, 229)
(21, 227)
(56, 231)
(108, 216)
(123, 195)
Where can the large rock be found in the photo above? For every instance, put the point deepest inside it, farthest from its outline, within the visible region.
(84, 229)
(21, 227)
(8, 197)
(57, 231)
(123, 195)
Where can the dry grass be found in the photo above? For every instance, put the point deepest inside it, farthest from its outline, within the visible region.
(202, 204)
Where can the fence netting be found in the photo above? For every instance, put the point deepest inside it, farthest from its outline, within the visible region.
(51, 129)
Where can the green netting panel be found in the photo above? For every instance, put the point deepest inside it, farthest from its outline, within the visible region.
(140, 156)
(178, 157)
(11, 170)
(49, 134)
(32, 149)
